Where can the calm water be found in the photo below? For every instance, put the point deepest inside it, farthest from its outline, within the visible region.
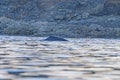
(28, 58)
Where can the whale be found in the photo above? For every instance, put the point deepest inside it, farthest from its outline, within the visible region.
(54, 38)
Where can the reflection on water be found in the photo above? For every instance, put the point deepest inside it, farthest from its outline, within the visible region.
(25, 58)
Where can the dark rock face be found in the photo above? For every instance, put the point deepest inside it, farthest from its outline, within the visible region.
(54, 38)
(66, 10)
(65, 18)
(112, 7)
(56, 9)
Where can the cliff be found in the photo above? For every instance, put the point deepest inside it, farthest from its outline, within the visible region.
(68, 18)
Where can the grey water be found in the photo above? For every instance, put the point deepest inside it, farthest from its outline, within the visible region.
(28, 58)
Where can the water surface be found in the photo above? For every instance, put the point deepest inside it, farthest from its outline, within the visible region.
(28, 58)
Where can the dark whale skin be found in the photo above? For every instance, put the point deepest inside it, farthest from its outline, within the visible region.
(54, 38)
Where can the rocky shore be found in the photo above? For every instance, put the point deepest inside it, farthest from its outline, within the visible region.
(65, 18)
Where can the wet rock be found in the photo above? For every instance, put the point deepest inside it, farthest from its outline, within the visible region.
(54, 38)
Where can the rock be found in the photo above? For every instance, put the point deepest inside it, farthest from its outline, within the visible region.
(112, 7)
(71, 7)
(41, 9)
(54, 38)
(85, 15)
(65, 18)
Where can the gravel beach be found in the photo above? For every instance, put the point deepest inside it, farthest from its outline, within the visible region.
(29, 58)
